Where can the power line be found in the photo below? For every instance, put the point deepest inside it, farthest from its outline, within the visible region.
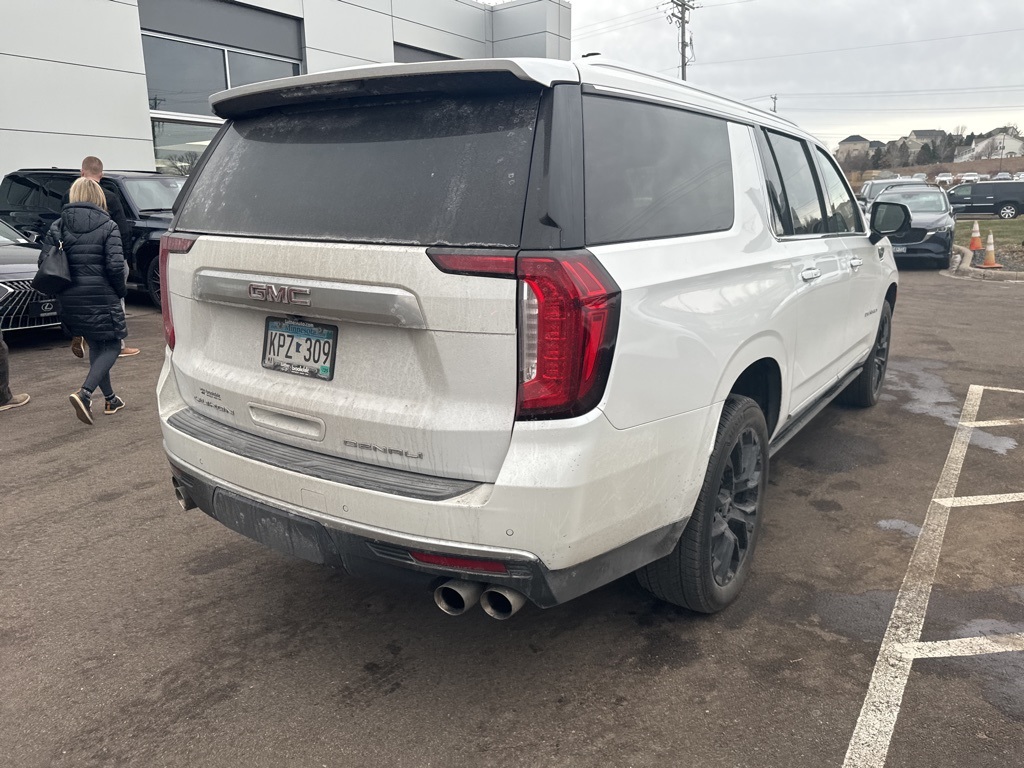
(615, 18)
(615, 27)
(992, 108)
(863, 47)
(985, 89)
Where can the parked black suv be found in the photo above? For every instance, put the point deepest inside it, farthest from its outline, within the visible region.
(932, 224)
(30, 201)
(1003, 198)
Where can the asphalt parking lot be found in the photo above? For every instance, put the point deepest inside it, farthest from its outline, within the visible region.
(135, 634)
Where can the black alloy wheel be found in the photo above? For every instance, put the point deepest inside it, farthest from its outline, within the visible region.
(736, 505)
(153, 280)
(864, 391)
(711, 561)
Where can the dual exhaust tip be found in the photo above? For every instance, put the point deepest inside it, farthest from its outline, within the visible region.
(455, 597)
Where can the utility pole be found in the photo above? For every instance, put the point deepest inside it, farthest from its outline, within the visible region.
(679, 15)
(775, 98)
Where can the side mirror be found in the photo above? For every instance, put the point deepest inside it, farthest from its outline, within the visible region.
(889, 219)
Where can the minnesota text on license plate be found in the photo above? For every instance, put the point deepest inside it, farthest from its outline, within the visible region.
(301, 348)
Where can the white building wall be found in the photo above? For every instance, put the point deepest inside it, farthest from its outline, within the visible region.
(88, 99)
(92, 98)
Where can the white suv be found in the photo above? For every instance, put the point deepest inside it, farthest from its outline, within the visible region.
(510, 329)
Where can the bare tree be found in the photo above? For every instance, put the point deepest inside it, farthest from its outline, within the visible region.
(182, 164)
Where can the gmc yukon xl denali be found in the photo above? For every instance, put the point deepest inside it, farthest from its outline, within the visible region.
(511, 329)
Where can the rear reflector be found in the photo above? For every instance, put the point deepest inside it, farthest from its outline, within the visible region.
(462, 563)
(169, 244)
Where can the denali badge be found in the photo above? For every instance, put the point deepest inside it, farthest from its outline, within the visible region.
(383, 449)
(281, 294)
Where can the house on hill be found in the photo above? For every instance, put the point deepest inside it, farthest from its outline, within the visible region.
(996, 145)
(852, 145)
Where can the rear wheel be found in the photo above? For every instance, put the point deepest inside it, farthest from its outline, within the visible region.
(863, 391)
(153, 280)
(711, 561)
(1008, 211)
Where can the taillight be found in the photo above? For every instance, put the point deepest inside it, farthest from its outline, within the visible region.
(568, 318)
(568, 321)
(170, 244)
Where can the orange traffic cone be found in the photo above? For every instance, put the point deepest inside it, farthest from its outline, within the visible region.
(975, 238)
(990, 255)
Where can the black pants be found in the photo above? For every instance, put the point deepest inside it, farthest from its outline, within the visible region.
(5, 372)
(102, 356)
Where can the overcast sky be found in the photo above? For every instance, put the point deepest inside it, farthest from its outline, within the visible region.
(744, 49)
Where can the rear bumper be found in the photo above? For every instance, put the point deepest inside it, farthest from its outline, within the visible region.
(576, 504)
(377, 553)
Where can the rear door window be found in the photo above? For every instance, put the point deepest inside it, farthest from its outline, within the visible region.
(653, 171)
(17, 191)
(805, 205)
(438, 170)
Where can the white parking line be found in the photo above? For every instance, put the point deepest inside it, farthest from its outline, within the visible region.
(902, 642)
(980, 501)
(966, 646)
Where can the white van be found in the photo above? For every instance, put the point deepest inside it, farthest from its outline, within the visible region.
(511, 329)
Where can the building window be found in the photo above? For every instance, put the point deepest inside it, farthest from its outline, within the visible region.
(178, 145)
(181, 74)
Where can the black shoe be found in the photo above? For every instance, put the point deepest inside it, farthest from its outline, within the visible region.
(83, 405)
(112, 405)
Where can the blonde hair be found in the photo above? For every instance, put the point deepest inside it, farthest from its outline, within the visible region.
(87, 191)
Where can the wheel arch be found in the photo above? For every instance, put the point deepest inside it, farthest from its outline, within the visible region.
(755, 372)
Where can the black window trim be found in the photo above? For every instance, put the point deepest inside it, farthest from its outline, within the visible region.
(761, 144)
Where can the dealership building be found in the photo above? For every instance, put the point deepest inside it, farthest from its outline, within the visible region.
(129, 80)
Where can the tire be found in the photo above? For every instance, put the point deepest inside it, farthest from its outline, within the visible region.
(1008, 211)
(863, 391)
(153, 280)
(711, 561)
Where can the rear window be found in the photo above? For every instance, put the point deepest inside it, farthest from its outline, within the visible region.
(434, 171)
(653, 171)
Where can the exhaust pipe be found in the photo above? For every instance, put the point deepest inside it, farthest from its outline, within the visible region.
(455, 597)
(501, 602)
(181, 494)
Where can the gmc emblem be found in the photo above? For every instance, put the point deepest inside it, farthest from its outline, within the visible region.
(280, 294)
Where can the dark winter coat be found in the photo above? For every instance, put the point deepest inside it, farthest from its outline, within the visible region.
(91, 307)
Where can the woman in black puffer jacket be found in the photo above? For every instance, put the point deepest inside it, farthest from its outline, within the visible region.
(91, 307)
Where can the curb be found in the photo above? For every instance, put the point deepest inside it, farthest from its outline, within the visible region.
(962, 268)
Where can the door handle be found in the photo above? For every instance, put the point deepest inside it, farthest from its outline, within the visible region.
(811, 273)
(856, 262)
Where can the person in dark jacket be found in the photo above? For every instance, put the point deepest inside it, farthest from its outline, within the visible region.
(91, 307)
(92, 168)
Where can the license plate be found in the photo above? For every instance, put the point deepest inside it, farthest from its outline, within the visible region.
(300, 348)
(42, 309)
(899, 249)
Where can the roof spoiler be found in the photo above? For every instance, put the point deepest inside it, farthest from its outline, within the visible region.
(382, 79)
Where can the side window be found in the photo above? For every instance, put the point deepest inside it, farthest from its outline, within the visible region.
(779, 206)
(54, 189)
(798, 181)
(17, 191)
(962, 191)
(845, 214)
(652, 171)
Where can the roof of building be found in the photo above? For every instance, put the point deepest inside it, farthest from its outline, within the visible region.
(855, 139)
(929, 134)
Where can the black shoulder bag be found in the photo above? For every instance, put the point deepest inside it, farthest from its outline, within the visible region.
(54, 275)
